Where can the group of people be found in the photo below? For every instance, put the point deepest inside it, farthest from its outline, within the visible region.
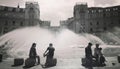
(99, 59)
(49, 53)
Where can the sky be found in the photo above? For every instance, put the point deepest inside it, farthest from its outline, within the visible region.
(56, 10)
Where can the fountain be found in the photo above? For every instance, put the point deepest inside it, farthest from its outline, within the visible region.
(19, 41)
(69, 46)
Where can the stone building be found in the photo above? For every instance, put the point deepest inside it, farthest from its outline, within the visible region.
(92, 19)
(15, 17)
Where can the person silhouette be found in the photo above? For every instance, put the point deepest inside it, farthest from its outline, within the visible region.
(33, 53)
(96, 53)
(49, 53)
(88, 54)
(101, 58)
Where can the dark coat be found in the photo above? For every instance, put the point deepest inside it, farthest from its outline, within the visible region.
(51, 51)
(88, 52)
(32, 53)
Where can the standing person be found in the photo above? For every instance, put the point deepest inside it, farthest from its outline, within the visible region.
(33, 53)
(88, 54)
(96, 52)
(49, 53)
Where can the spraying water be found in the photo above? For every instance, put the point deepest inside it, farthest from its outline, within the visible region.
(19, 41)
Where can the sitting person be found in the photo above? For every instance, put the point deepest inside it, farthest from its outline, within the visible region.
(96, 52)
(89, 56)
(49, 53)
(101, 58)
(33, 53)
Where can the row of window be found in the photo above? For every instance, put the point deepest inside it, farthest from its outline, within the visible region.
(104, 14)
(13, 23)
(92, 23)
(97, 23)
(103, 10)
(12, 9)
(93, 30)
(12, 15)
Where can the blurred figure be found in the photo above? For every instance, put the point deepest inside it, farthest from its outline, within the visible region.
(101, 58)
(100, 52)
(96, 52)
(49, 53)
(88, 54)
(33, 53)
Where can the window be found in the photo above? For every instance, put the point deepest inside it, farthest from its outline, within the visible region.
(31, 8)
(104, 15)
(91, 30)
(13, 22)
(13, 9)
(21, 23)
(100, 10)
(83, 27)
(105, 28)
(5, 30)
(105, 24)
(92, 11)
(115, 9)
(90, 23)
(6, 22)
(6, 14)
(115, 13)
(107, 14)
(21, 10)
(107, 9)
(95, 11)
(111, 22)
(6, 9)
(88, 11)
(97, 23)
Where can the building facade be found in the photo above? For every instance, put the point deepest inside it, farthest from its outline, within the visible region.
(92, 19)
(15, 17)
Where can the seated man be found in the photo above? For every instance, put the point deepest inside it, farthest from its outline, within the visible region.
(33, 53)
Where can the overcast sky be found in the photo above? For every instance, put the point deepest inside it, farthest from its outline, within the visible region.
(56, 10)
